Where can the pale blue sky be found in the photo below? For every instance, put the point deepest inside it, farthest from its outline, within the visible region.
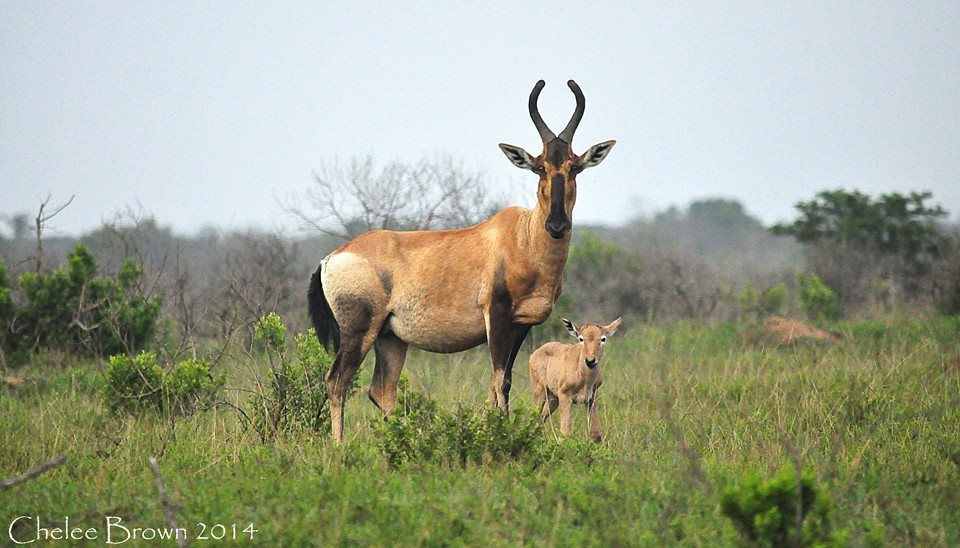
(204, 113)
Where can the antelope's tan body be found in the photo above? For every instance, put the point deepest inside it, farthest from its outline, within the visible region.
(434, 289)
(450, 290)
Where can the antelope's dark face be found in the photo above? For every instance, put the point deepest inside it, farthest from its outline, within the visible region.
(557, 165)
(592, 337)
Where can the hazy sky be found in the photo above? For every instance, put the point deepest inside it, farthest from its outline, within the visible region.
(207, 114)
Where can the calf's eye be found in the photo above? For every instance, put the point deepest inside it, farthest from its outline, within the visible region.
(581, 339)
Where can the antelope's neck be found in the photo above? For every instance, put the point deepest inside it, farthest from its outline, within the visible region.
(549, 255)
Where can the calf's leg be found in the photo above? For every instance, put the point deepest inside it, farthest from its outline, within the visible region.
(593, 418)
(549, 407)
(566, 405)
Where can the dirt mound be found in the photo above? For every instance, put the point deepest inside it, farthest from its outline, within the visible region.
(10, 380)
(786, 332)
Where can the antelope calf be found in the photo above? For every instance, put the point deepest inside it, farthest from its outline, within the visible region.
(564, 374)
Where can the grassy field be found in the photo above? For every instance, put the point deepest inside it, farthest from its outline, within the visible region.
(687, 410)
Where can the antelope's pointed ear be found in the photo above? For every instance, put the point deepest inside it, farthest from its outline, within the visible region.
(570, 327)
(596, 154)
(520, 158)
(612, 328)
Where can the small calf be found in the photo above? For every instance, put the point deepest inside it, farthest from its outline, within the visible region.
(564, 374)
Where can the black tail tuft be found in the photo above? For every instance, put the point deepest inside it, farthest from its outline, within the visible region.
(328, 331)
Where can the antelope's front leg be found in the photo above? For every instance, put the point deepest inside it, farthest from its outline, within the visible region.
(593, 418)
(500, 348)
(504, 339)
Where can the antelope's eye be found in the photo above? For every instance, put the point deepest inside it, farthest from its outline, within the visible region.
(581, 339)
(603, 340)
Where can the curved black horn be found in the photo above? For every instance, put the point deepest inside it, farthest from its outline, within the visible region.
(567, 133)
(545, 134)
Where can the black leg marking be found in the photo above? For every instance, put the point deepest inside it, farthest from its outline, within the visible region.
(356, 316)
(519, 333)
(500, 337)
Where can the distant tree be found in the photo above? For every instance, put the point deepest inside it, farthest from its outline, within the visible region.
(346, 201)
(903, 226)
(19, 225)
(871, 252)
(718, 230)
(727, 217)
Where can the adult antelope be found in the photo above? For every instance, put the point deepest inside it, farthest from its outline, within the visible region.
(450, 290)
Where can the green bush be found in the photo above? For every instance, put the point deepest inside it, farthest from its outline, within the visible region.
(817, 300)
(190, 386)
(73, 310)
(296, 399)
(139, 383)
(765, 511)
(419, 432)
(747, 301)
(767, 303)
(6, 313)
(133, 383)
(772, 299)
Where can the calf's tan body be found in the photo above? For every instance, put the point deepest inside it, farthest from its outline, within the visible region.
(562, 375)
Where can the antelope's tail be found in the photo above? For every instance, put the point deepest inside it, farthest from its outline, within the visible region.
(325, 324)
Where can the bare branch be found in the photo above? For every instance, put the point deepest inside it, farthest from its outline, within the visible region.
(40, 220)
(346, 201)
(169, 511)
(33, 472)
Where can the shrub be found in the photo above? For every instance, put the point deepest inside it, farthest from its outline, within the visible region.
(817, 300)
(765, 511)
(133, 383)
(771, 300)
(296, 399)
(419, 432)
(74, 310)
(747, 301)
(139, 383)
(190, 386)
(755, 306)
(6, 313)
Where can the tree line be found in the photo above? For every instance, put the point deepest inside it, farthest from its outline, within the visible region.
(702, 262)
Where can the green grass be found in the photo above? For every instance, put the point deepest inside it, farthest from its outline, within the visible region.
(875, 418)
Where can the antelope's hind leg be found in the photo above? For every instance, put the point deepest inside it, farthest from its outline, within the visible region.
(358, 330)
(391, 353)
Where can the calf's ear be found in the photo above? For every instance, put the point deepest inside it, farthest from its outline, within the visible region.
(612, 328)
(570, 327)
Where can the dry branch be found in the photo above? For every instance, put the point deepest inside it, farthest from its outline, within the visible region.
(169, 511)
(40, 220)
(33, 472)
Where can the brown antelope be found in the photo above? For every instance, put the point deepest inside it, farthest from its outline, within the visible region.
(450, 290)
(564, 374)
